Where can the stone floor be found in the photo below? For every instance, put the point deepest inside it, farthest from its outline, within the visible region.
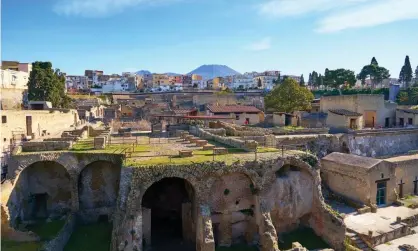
(382, 221)
(394, 244)
(341, 207)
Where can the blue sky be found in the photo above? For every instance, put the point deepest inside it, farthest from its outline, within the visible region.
(294, 36)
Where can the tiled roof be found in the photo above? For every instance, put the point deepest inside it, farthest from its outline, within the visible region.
(183, 111)
(232, 108)
(352, 160)
(345, 112)
(409, 111)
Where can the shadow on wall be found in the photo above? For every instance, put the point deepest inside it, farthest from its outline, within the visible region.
(42, 190)
(98, 185)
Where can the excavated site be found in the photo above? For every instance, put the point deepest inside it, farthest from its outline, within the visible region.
(134, 197)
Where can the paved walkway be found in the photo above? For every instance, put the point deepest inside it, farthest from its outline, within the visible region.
(379, 222)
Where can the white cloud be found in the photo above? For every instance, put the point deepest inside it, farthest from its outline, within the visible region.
(376, 13)
(261, 45)
(100, 8)
(286, 8)
(337, 15)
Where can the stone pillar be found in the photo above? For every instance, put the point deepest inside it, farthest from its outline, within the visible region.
(187, 222)
(225, 230)
(146, 226)
(137, 231)
(75, 202)
(267, 232)
(204, 232)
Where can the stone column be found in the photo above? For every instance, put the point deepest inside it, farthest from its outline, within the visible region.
(75, 202)
(204, 232)
(146, 226)
(267, 232)
(137, 231)
(225, 230)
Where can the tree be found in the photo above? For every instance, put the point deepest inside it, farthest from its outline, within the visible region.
(403, 97)
(259, 83)
(416, 75)
(339, 77)
(47, 84)
(302, 81)
(289, 97)
(374, 72)
(406, 74)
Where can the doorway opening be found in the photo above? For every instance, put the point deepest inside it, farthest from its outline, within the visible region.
(39, 205)
(170, 201)
(381, 193)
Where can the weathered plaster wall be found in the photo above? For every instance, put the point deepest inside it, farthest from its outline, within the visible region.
(290, 197)
(406, 169)
(382, 143)
(98, 185)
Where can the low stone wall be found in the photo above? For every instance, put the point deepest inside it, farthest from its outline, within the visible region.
(33, 146)
(59, 242)
(281, 131)
(382, 143)
(73, 138)
(217, 131)
(248, 145)
(236, 130)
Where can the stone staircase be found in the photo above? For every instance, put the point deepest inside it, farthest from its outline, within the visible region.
(357, 242)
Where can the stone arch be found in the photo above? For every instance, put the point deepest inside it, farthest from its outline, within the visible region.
(168, 213)
(290, 193)
(42, 189)
(98, 186)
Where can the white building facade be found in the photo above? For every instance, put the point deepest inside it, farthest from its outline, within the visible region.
(14, 79)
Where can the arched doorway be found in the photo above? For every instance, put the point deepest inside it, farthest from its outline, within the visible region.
(44, 189)
(98, 185)
(168, 218)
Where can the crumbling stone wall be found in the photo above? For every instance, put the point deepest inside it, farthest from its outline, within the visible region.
(384, 143)
(49, 180)
(39, 146)
(248, 145)
(62, 196)
(99, 185)
(224, 196)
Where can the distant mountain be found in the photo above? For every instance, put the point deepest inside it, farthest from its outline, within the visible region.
(213, 71)
(142, 72)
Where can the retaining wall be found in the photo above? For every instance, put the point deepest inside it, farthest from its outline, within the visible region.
(59, 242)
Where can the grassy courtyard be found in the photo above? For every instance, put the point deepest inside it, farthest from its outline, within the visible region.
(90, 237)
(45, 230)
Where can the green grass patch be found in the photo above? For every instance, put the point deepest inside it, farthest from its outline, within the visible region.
(237, 247)
(90, 237)
(8, 245)
(305, 236)
(46, 230)
(267, 150)
(292, 128)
